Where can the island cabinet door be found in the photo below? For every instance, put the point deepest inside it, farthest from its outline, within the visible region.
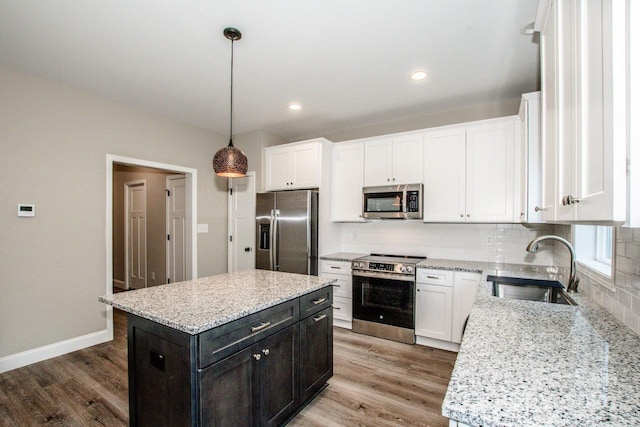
(316, 352)
(257, 386)
(228, 391)
(279, 385)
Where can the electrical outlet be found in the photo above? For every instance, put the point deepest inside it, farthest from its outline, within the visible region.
(488, 240)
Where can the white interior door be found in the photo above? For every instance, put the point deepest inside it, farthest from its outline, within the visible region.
(136, 234)
(242, 212)
(176, 229)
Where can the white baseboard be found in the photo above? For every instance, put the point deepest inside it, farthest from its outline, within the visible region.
(18, 360)
(442, 345)
(342, 323)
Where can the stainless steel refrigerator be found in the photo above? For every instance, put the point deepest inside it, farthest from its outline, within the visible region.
(287, 231)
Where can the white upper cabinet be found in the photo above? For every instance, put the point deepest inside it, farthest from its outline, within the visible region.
(393, 160)
(444, 175)
(347, 180)
(584, 127)
(531, 164)
(293, 166)
(470, 172)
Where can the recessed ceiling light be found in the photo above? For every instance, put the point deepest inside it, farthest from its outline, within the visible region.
(419, 75)
(295, 107)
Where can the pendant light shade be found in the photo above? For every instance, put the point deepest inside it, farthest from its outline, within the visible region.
(230, 161)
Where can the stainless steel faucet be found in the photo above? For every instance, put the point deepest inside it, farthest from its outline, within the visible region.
(534, 245)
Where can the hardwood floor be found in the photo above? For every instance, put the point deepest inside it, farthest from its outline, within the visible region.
(376, 383)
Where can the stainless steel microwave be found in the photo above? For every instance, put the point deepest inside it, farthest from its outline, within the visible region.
(392, 202)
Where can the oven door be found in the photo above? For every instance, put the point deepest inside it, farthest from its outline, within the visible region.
(384, 298)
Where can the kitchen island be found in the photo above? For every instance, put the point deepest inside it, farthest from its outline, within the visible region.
(528, 363)
(245, 348)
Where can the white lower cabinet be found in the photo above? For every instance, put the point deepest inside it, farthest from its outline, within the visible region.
(434, 296)
(342, 290)
(443, 302)
(465, 286)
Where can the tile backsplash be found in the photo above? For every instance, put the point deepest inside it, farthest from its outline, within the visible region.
(501, 243)
(624, 302)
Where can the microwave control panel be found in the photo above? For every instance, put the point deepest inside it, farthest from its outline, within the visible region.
(413, 201)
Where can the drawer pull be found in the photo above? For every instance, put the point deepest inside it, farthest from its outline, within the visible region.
(318, 301)
(434, 277)
(336, 308)
(319, 318)
(335, 268)
(262, 326)
(336, 285)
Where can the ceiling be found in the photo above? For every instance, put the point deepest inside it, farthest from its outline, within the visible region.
(347, 62)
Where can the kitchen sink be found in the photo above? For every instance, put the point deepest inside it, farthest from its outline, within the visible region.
(549, 291)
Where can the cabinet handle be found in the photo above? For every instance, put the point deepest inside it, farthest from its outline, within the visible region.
(433, 277)
(265, 351)
(538, 209)
(336, 308)
(257, 356)
(569, 200)
(461, 215)
(318, 301)
(260, 327)
(393, 179)
(319, 318)
(335, 267)
(468, 215)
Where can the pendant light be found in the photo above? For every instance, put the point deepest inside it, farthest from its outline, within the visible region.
(230, 161)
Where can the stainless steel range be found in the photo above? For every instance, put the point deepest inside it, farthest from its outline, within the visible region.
(384, 289)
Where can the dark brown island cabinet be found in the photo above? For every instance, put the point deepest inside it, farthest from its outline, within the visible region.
(259, 370)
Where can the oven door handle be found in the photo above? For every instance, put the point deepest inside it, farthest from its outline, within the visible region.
(376, 275)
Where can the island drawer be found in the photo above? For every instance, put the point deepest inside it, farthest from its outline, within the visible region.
(220, 342)
(315, 301)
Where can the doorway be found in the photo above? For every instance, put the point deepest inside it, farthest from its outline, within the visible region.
(190, 246)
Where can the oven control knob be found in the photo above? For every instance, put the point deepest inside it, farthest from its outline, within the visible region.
(403, 269)
(409, 269)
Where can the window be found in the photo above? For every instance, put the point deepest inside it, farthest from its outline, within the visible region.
(595, 252)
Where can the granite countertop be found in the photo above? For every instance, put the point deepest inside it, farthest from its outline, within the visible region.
(198, 305)
(526, 363)
(342, 256)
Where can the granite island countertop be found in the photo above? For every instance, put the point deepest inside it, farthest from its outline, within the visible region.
(198, 305)
(526, 363)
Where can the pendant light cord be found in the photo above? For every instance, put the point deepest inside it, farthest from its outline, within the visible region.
(231, 101)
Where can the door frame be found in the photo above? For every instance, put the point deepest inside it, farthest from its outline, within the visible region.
(191, 176)
(127, 227)
(230, 217)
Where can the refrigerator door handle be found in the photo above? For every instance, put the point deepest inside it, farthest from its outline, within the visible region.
(274, 239)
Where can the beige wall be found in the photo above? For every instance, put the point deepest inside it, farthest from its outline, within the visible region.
(54, 141)
(156, 221)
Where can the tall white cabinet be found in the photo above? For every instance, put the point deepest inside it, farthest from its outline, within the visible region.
(583, 59)
(472, 173)
(347, 180)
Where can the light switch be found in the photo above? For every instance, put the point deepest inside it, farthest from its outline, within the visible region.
(203, 228)
(25, 210)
